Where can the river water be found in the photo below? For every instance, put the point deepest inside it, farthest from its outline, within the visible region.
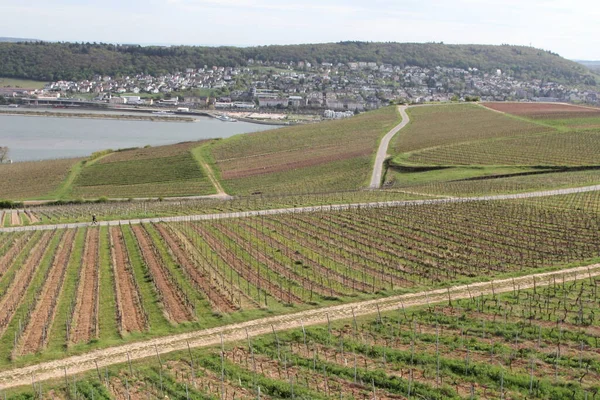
(32, 138)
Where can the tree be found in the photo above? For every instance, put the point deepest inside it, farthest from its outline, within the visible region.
(3, 154)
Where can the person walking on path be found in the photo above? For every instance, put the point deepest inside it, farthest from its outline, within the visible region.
(94, 220)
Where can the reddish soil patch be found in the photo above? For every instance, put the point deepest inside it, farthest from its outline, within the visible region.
(15, 219)
(8, 257)
(544, 110)
(40, 321)
(129, 310)
(14, 294)
(85, 314)
(32, 217)
(272, 164)
(174, 305)
(212, 293)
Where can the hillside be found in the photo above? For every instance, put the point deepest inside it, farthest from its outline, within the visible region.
(54, 61)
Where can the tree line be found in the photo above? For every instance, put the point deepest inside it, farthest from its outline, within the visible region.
(76, 61)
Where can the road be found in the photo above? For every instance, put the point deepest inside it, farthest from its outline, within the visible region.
(237, 332)
(337, 207)
(383, 148)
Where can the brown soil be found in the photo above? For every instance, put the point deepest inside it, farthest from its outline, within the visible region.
(332, 385)
(15, 292)
(15, 248)
(130, 315)
(15, 219)
(174, 306)
(305, 160)
(211, 292)
(32, 217)
(85, 315)
(36, 333)
(207, 381)
(544, 110)
(128, 391)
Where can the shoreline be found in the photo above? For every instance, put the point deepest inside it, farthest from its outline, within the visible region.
(121, 117)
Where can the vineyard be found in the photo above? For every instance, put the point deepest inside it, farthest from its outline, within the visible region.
(545, 110)
(577, 148)
(84, 288)
(149, 172)
(35, 179)
(445, 125)
(473, 184)
(59, 214)
(537, 343)
(335, 155)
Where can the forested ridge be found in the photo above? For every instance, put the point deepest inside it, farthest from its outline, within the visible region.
(55, 61)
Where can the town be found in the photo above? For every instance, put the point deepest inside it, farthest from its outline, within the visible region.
(347, 88)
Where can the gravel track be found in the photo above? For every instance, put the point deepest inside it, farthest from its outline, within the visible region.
(236, 332)
(336, 207)
(86, 307)
(383, 148)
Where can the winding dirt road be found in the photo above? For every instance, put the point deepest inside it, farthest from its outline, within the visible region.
(236, 332)
(383, 148)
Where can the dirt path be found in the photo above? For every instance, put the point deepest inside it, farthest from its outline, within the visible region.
(236, 332)
(211, 175)
(336, 207)
(383, 148)
(175, 309)
(129, 306)
(86, 308)
(41, 320)
(15, 219)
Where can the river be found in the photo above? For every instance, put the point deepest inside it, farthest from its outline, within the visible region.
(43, 138)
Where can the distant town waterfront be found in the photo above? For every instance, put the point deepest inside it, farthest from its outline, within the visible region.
(44, 138)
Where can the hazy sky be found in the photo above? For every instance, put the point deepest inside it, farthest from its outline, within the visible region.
(568, 27)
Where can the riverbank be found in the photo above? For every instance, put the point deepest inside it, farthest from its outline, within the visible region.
(123, 117)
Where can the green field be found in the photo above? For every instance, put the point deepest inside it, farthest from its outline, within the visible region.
(21, 83)
(150, 172)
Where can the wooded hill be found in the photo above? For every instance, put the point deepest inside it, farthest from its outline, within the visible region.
(75, 61)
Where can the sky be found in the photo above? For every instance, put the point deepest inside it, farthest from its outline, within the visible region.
(568, 27)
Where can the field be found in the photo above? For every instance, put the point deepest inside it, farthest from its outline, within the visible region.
(474, 183)
(545, 110)
(328, 156)
(576, 148)
(437, 126)
(36, 179)
(529, 343)
(21, 83)
(560, 116)
(86, 290)
(466, 150)
(139, 281)
(149, 172)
